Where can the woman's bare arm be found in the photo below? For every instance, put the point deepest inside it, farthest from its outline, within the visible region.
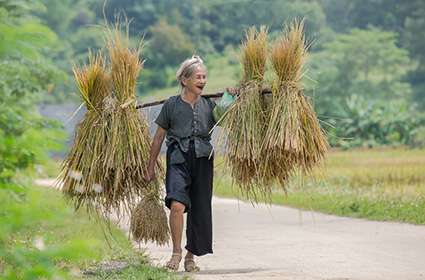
(154, 152)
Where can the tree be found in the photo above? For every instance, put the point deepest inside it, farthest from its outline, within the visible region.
(363, 62)
(404, 17)
(414, 39)
(167, 47)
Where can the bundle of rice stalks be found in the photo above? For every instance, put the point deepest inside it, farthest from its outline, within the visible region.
(294, 137)
(149, 220)
(254, 54)
(128, 144)
(82, 177)
(104, 169)
(244, 122)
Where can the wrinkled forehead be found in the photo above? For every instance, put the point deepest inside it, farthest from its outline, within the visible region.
(199, 70)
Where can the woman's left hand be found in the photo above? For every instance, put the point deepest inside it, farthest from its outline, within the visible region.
(233, 90)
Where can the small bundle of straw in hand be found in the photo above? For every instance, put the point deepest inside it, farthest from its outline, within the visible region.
(148, 219)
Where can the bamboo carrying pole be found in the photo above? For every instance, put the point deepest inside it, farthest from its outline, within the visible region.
(212, 95)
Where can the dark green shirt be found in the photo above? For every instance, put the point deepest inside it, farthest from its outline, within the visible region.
(184, 124)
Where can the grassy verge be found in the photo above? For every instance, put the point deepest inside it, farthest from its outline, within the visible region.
(381, 184)
(41, 237)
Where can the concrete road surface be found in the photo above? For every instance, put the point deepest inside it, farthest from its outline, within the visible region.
(274, 242)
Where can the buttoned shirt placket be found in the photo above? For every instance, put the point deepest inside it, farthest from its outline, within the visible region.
(195, 124)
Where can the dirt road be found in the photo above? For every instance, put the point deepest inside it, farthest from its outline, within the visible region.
(282, 243)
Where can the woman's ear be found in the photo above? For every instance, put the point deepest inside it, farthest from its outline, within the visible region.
(183, 82)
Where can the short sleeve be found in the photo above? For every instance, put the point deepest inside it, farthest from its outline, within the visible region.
(163, 119)
(212, 103)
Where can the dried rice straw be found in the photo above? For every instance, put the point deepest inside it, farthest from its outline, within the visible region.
(105, 167)
(83, 180)
(294, 136)
(128, 145)
(244, 122)
(149, 220)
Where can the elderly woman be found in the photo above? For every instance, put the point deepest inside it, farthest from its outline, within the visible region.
(186, 120)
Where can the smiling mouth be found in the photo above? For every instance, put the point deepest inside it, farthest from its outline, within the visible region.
(200, 87)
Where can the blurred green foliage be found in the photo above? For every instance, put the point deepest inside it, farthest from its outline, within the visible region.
(41, 237)
(366, 123)
(360, 90)
(27, 77)
(367, 63)
(405, 18)
(372, 49)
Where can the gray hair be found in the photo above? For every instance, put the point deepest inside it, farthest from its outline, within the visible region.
(187, 68)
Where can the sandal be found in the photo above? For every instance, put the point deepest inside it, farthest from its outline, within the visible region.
(174, 262)
(190, 265)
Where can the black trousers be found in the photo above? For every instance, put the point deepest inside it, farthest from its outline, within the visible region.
(190, 183)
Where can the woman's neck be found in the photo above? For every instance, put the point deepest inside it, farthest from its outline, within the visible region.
(190, 97)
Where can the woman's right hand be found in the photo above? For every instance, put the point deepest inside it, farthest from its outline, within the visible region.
(150, 174)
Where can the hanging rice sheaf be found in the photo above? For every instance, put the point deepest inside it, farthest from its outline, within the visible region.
(271, 136)
(128, 146)
(294, 137)
(244, 122)
(128, 143)
(149, 221)
(84, 180)
(105, 167)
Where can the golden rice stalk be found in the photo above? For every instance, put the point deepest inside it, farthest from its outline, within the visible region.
(244, 122)
(294, 137)
(289, 53)
(149, 221)
(125, 62)
(128, 143)
(254, 54)
(104, 170)
(82, 177)
(92, 81)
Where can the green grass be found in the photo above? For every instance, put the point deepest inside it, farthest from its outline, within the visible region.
(42, 236)
(50, 168)
(378, 184)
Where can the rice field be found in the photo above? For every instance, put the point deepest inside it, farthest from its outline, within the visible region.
(379, 184)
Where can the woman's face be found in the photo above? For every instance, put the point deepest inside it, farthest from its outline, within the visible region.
(197, 81)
